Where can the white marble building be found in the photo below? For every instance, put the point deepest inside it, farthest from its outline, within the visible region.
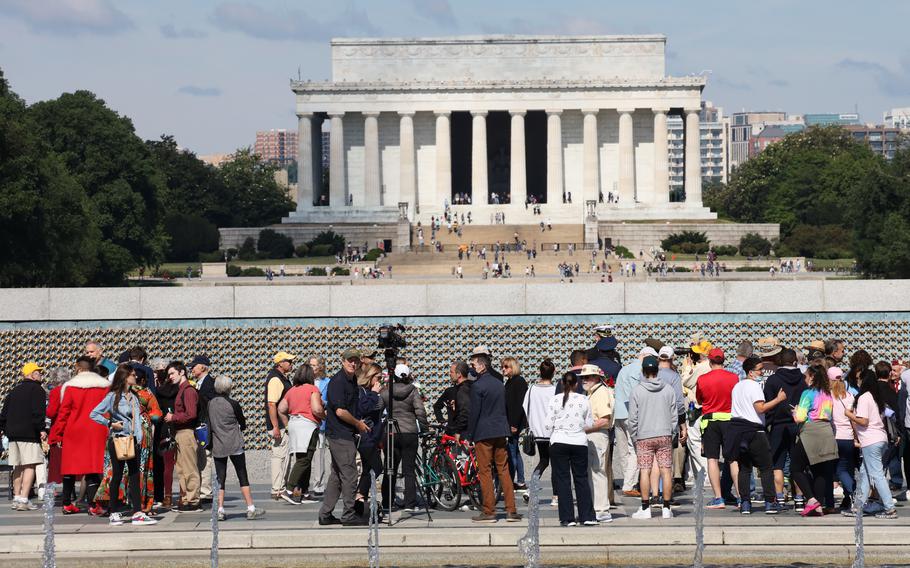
(499, 118)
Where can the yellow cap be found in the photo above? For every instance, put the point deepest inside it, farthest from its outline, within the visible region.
(30, 368)
(703, 347)
(283, 356)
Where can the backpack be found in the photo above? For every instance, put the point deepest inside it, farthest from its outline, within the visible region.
(892, 429)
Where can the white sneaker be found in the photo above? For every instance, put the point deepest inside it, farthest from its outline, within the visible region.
(604, 517)
(642, 514)
(141, 518)
(554, 502)
(666, 513)
(590, 523)
(116, 520)
(26, 506)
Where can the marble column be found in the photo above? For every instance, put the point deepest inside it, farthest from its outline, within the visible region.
(371, 180)
(591, 173)
(693, 158)
(443, 158)
(407, 169)
(518, 180)
(316, 158)
(555, 183)
(661, 157)
(337, 186)
(479, 180)
(626, 176)
(305, 161)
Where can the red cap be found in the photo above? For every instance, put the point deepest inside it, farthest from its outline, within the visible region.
(716, 355)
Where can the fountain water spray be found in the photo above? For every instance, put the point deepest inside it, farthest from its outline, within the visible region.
(529, 544)
(215, 491)
(859, 503)
(373, 539)
(699, 519)
(50, 551)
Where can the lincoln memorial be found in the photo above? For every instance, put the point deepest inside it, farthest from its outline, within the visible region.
(576, 125)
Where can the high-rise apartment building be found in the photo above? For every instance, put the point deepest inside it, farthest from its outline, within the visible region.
(898, 118)
(276, 146)
(714, 149)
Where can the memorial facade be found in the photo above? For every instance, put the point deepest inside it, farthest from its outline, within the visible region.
(498, 124)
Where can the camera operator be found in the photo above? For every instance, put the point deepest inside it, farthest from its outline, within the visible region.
(411, 418)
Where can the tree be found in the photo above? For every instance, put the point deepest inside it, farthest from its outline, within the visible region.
(753, 244)
(189, 235)
(334, 241)
(274, 244)
(115, 169)
(49, 235)
(254, 196)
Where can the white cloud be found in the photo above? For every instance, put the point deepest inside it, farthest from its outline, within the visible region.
(68, 17)
(437, 11)
(296, 25)
(196, 91)
(172, 32)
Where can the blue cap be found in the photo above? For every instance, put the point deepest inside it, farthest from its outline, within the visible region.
(607, 344)
(199, 360)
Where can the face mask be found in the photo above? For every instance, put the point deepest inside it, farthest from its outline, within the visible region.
(473, 373)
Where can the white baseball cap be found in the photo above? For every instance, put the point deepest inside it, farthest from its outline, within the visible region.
(402, 370)
(666, 353)
(647, 351)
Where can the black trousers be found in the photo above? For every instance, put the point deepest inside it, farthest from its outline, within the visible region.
(543, 451)
(571, 459)
(371, 460)
(92, 480)
(822, 475)
(405, 455)
(758, 455)
(239, 463)
(117, 476)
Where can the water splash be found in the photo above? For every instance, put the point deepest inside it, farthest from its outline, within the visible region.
(859, 503)
(529, 544)
(50, 550)
(699, 519)
(373, 539)
(215, 491)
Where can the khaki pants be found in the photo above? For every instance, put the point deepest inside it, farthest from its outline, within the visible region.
(627, 455)
(679, 461)
(205, 465)
(187, 466)
(600, 474)
(279, 461)
(488, 453)
(321, 465)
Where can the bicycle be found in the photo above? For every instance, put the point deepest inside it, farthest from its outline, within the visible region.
(439, 484)
(455, 460)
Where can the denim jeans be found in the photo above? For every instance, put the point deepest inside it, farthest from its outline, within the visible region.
(874, 468)
(846, 465)
(516, 464)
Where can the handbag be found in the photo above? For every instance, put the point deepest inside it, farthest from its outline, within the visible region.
(528, 445)
(125, 446)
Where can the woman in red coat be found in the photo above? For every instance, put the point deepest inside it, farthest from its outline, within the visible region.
(82, 439)
(55, 381)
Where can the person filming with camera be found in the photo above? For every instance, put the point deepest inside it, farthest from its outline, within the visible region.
(410, 418)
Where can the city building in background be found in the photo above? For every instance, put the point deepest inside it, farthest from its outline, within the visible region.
(828, 119)
(714, 147)
(215, 160)
(898, 118)
(278, 146)
(882, 140)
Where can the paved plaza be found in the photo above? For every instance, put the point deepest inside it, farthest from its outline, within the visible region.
(290, 536)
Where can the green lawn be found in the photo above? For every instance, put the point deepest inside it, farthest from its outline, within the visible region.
(178, 269)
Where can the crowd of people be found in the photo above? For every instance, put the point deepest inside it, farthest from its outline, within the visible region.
(770, 427)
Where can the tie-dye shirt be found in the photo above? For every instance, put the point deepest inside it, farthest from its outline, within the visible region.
(814, 405)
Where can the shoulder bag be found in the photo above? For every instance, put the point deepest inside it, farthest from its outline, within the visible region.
(528, 445)
(125, 446)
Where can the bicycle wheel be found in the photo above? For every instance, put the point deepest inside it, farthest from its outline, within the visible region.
(476, 497)
(447, 491)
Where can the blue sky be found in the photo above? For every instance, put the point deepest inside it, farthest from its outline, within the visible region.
(213, 72)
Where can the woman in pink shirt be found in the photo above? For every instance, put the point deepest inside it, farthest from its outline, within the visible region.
(303, 404)
(843, 434)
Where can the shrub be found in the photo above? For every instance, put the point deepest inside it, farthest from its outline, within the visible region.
(317, 271)
(623, 252)
(301, 250)
(683, 237)
(216, 256)
(233, 270)
(335, 242)
(253, 271)
(321, 250)
(725, 250)
(752, 269)
(373, 254)
(753, 244)
(275, 244)
(247, 249)
(341, 271)
(231, 253)
(690, 248)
